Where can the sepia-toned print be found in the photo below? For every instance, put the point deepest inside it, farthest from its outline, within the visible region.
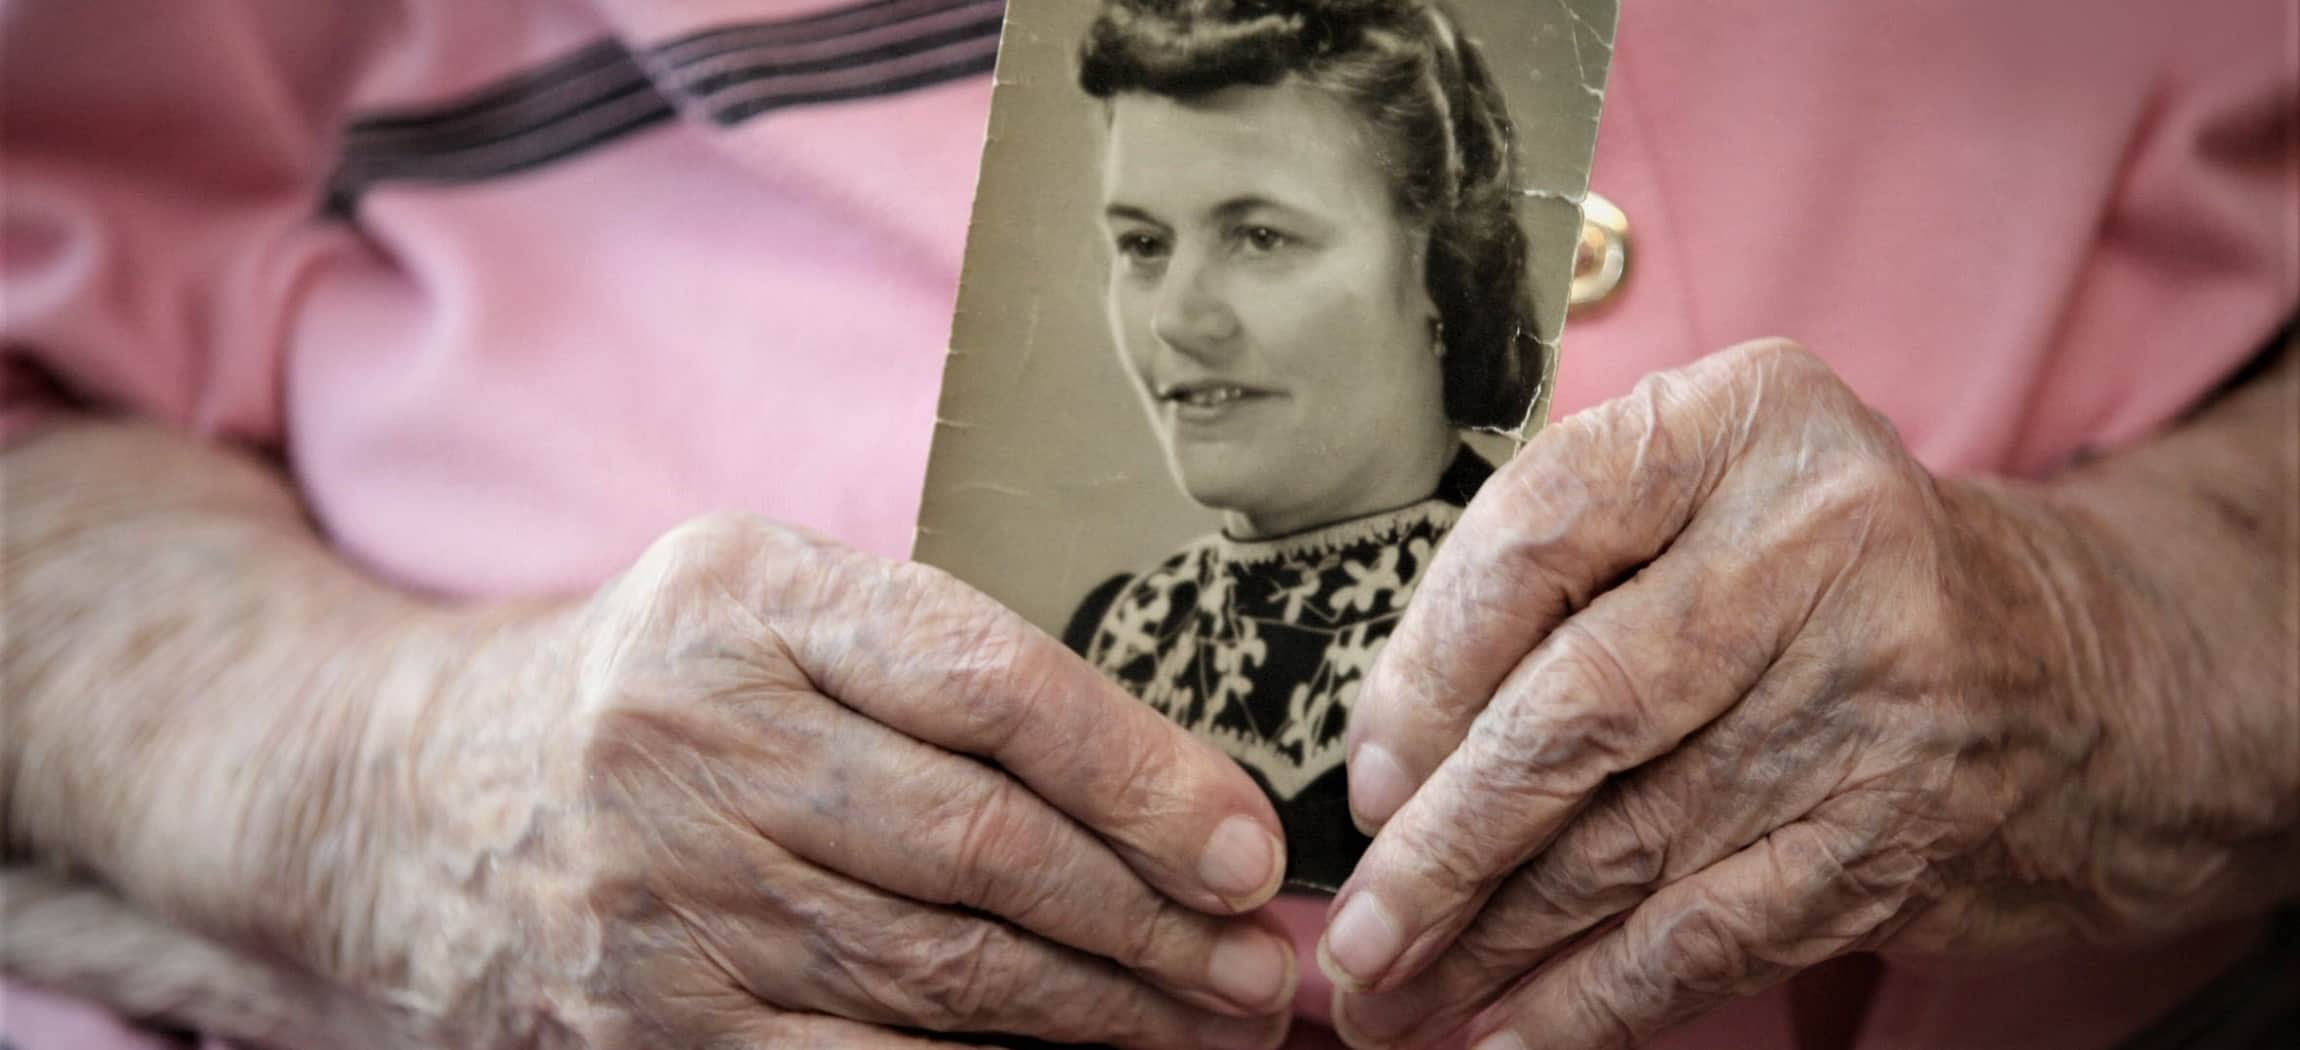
(1258, 292)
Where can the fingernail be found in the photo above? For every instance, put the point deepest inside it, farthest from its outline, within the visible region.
(1240, 861)
(1378, 786)
(1363, 941)
(1249, 967)
(1501, 1041)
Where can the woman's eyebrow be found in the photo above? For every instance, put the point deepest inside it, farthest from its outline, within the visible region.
(1128, 211)
(1239, 207)
(1228, 211)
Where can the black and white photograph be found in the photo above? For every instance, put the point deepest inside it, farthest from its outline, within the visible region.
(1149, 524)
(1257, 295)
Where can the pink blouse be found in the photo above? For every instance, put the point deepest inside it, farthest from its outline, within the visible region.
(514, 287)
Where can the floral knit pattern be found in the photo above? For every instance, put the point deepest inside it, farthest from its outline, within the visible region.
(1260, 646)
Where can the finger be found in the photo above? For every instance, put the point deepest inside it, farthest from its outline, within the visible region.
(801, 1032)
(1808, 892)
(1584, 504)
(665, 1007)
(809, 940)
(851, 795)
(915, 649)
(1767, 763)
(1617, 685)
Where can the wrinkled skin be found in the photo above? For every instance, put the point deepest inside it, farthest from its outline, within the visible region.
(1716, 682)
(792, 795)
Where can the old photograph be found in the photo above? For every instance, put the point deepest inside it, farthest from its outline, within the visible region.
(1258, 293)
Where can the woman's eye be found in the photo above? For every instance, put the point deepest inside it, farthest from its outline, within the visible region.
(1141, 247)
(1263, 238)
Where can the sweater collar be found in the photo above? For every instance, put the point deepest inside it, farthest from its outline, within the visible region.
(1436, 513)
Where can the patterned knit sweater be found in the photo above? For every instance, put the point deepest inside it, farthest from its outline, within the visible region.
(1260, 645)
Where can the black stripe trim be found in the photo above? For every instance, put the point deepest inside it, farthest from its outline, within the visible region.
(979, 30)
(826, 25)
(356, 177)
(603, 92)
(976, 65)
(684, 74)
(628, 110)
(607, 56)
(539, 116)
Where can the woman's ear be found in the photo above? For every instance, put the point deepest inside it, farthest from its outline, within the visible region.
(1417, 275)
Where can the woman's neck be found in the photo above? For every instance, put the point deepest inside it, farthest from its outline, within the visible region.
(1404, 480)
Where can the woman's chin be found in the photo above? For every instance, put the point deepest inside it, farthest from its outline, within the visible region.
(1261, 521)
(1228, 491)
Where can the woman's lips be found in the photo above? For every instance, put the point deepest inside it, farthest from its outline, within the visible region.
(1211, 397)
(1207, 403)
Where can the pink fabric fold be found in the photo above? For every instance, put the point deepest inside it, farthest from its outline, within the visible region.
(2020, 230)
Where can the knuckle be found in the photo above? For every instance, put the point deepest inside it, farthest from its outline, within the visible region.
(1772, 360)
(1642, 823)
(1490, 953)
(1539, 896)
(1652, 396)
(673, 602)
(936, 601)
(1564, 745)
(1779, 352)
(1514, 591)
(705, 548)
(1603, 860)
(1606, 1022)
(1147, 944)
(994, 665)
(931, 970)
(955, 981)
(1159, 936)
(718, 531)
(1008, 685)
(1701, 950)
(1859, 498)
(1504, 943)
(1767, 370)
(982, 826)
(1449, 866)
(1605, 709)
(1535, 492)
(1518, 493)
(1864, 476)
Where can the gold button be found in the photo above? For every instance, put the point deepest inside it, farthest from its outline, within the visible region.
(1601, 259)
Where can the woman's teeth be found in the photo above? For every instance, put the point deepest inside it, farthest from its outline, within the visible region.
(1211, 397)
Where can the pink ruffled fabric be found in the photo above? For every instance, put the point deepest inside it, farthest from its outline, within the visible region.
(2018, 229)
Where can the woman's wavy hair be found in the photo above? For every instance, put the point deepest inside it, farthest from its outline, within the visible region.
(1442, 132)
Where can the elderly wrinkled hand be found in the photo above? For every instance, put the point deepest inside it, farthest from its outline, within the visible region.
(799, 793)
(1716, 682)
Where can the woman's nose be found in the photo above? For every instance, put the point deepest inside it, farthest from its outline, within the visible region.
(1193, 314)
